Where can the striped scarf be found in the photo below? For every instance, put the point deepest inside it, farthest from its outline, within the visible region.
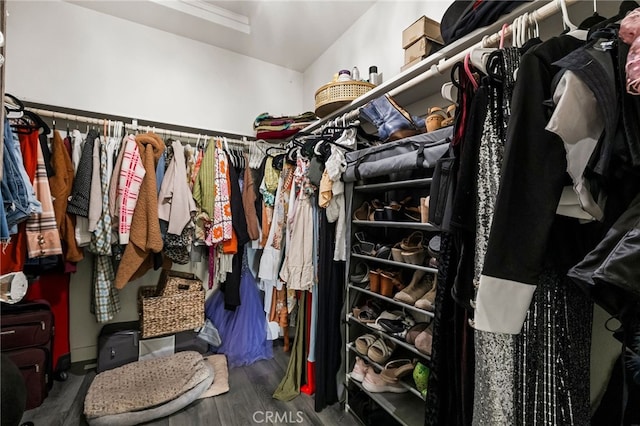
(222, 227)
(43, 238)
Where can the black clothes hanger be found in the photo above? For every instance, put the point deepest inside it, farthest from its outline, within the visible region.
(625, 7)
(13, 107)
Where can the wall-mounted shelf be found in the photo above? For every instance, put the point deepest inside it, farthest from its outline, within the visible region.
(427, 76)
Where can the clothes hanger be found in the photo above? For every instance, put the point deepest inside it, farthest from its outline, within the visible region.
(13, 107)
(593, 19)
(625, 7)
(565, 15)
(467, 71)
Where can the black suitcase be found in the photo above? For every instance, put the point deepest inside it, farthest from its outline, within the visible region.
(26, 337)
(119, 344)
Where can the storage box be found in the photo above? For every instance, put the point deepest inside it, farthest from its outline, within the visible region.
(422, 48)
(423, 27)
(177, 304)
(410, 64)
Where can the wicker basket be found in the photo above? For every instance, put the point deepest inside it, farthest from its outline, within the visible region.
(333, 96)
(175, 305)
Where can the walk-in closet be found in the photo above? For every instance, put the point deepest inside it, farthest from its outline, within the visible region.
(371, 212)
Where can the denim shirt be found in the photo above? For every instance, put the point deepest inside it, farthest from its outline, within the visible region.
(19, 200)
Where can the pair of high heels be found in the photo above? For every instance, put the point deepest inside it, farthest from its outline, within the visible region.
(421, 291)
(384, 282)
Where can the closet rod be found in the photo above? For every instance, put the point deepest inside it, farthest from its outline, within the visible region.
(134, 126)
(438, 63)
(538, 15)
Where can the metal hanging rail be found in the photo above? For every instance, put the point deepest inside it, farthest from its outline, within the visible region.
(446, 58)
(136, 127)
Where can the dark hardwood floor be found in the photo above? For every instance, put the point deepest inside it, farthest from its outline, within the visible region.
(248, 401)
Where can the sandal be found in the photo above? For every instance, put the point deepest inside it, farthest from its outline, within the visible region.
(413, 242)
(435, 117)
(380, 351)
(366, 314)
(362, 212)
(414, 257)
(451, 116)
(397, 369)
(364, 342)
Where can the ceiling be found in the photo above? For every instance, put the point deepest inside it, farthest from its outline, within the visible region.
(291, 33)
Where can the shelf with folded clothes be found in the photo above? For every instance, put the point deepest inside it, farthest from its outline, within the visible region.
(389, 224)
(394, 263)
(379, 367)
(388, 336)
(387, 186)
(391, 300)
(403, 409)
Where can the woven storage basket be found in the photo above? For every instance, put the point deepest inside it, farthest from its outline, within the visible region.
(333, 96)
(175, 305)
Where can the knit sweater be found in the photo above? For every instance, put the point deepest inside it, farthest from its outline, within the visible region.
(145, 237)
(61, 185)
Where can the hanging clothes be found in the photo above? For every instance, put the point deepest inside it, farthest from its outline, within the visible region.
(62, 184)
(145, 238)
(494, 401)
(105, 296)
(132, 175)
(43, 237)
(221, 228)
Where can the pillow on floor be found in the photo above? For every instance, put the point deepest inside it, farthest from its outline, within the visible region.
(164, 410)
(144, 384)
(220, 383)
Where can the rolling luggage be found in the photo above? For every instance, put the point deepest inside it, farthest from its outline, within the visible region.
(54, 288)
(26, 337)
(122, 343)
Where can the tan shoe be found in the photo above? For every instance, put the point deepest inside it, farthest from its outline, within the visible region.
(428, 301)
(420, 284)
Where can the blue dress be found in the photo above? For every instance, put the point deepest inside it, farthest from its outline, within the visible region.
(243, 331)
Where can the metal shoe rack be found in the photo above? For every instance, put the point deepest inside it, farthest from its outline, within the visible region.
(406, 408)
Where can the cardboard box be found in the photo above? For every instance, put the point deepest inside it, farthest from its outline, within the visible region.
(410, 64)
(423, 27)
(420, 49)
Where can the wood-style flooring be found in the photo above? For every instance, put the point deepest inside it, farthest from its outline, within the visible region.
(250, 390)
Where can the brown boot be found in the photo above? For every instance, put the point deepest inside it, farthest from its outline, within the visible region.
(428, 301)
(420, 284)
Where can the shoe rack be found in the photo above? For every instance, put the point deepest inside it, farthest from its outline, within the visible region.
(406, 408)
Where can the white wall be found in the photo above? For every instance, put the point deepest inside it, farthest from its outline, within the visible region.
(374, 39)
(63, 54)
